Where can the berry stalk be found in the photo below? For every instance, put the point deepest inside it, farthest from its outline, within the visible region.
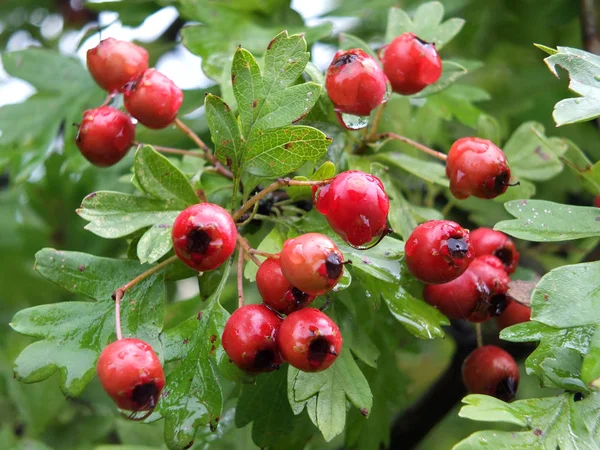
(240, 277)
(389, 135)
(245, 245)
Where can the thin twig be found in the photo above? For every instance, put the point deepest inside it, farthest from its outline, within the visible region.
(118, 296)
(246, 246)
(282, 182)
(389, 135)
(372, 136)
(479, 335)
(240, 277)
(253, 251)
(589, 26)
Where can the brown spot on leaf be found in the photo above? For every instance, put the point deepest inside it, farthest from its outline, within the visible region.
(186, 341)
(255, 103)
(288, 145)
(90, 196)
(233, 78)
(364, 411)
(81, 267)
(545, 156)
(199, 315)
(538, 432)
(546, 297)
(271, 44)
(213, 338)
(212, 349)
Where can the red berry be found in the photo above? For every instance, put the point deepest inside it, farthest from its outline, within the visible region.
(597, 201)
(312, 263)
(105, 135)
(131, 374)
(115, 63)
(513, 314)
(477, 295)
(276, 291)
(477, 167)
(355, 205)
(204, 236)
(153, 99)
(491, 371)
(438, 251)
(250, 338)
(355, 82)
(309, 340)
(486, 241)
(410, 64)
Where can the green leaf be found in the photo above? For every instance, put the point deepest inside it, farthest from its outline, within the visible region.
(543, 221)
(326, 171)
(274, 424)
(155, 243)
(584, 79)
(278, 151)
(343, 380)
(192, 396)
(272, 243)
(349, 41)
(113, 214)
(426, 24)
(451, 71)
(549, 423)
(225, 132)
(426, 170)
(74, 333)
(160, 179)
(380, 262)
(532, 155)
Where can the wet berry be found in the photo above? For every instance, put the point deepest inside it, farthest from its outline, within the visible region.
(250, 338)
(513, 314)
(204, 236)
(355, 82)
(477, 167)
(491, 371)
(131, 374)
(312, 263)
(438, 251)
(114, 63)
(410, 64)
(309, 340)
(105, 135)
(355, 205)
(486, 241)
(153, 99)
(276, 291)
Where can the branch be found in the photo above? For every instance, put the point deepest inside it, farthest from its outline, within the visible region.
(589, 28)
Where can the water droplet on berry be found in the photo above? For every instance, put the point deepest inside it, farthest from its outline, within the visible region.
(388, 91)
(353, 122)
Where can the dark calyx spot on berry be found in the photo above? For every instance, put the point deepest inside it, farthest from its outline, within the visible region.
(422, 42)
(578, 396)
(498, 304)
(198, 241)
(505, 255)
(144, 395)
(300, 297)
(264, 360)
(506, 389)
(501, 182)
(318, 350)
(344, 59)
(334, 266)
(457, 247)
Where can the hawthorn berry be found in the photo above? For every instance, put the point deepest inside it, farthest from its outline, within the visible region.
(204, 236)
(410, 64)
(153, 99)
(276, 291)
(105, 135)
(491, 371)
(486, 241)
(355, 83)
(477, 167)
(114, 63)
(309, 340)
(513, 314)
(312, 263)
(597, 201)
(476, 295)
(355, 205)
(131, 374)
(438, 251)
(250, 338)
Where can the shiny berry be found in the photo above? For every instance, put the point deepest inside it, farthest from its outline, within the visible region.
(276, 291)
(486, 241)
(114, 63)
(438, 251)
(456, 299)
(355, 205)
(309, 340)
(597, 201)
(477, 167)
(131, 374)
(513, 314)
(153, 99)
(410, 64)
(355, 82)
(250, 338)
(312, 263)
(491, 371)
(105, 135)
(204, 236)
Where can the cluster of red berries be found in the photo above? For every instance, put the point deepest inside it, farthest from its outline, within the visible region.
(257, 339)
(466, 276)
(105, 134)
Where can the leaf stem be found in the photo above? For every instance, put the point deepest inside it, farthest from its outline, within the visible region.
(120, 292)
(246, 246)
(281, 182)
(389, 135)
(372, 135)
(240, 277)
